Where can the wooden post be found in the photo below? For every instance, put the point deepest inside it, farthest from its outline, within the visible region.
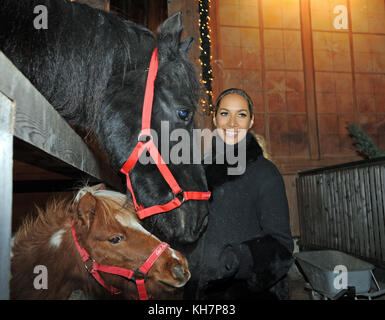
(307, 47)
(7, 119)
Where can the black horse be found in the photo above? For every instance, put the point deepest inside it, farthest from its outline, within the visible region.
(92, 67)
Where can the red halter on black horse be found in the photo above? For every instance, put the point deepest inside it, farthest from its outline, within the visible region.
(145, 141)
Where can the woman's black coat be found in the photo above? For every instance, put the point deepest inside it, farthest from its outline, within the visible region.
(246, 251)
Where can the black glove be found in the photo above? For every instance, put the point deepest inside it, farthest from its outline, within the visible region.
(228, 263)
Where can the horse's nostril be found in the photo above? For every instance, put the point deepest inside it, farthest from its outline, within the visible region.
(179, 272)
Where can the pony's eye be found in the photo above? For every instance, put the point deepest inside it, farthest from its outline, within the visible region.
(183, 114)
(116, 239)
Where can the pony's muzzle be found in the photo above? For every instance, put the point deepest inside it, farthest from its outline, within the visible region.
(181, 274)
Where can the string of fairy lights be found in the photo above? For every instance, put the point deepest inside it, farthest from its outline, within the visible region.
(205, 55)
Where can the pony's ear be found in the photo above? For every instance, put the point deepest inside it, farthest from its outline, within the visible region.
(169, 33)
(186, 44)
(86, 209)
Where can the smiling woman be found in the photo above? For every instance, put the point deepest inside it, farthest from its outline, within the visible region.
(233, 115)
(246, 249)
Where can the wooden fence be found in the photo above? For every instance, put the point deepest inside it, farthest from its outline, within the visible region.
(343, 208)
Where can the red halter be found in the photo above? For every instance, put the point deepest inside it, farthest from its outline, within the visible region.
(145, 142)
(139, 275)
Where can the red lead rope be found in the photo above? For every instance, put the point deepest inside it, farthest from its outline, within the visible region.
(179, 195)
(139, 275)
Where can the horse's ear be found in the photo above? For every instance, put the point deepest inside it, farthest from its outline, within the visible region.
(186, 44)
(169, 33)
(86, 210)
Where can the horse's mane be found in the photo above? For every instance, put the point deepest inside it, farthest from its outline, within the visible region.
(45, 221)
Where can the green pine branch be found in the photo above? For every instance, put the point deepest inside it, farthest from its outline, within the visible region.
(364, 144)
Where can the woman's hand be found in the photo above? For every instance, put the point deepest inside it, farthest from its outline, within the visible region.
(228, 262)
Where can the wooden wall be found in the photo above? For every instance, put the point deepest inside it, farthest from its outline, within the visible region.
(310, 66)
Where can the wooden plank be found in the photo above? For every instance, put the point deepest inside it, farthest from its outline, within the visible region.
(327, 208)
(380, 189)
(39, 125)
(364, 212)
(358, 213)
(333, 190)
(324, 212)
(308, 66)
(308, 211)
(339, 211)
(38, 186)
(349, 208)
(373, 202)
(369, 212)
(7, 119)
(321, 212)
(24, 171)
(381, 195)
(336, 214)
(317, 210)
(312, 212)
(345, 211)
(332, 216)
(344, 224)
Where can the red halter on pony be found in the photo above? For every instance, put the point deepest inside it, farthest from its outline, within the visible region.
(139, 275)
(145, 142)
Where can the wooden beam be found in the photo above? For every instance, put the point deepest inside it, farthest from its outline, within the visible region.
(309, 72)
(43, 137)
(42, 186)
(7, 118)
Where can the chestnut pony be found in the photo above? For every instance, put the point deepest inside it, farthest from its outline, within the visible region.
(107, 228)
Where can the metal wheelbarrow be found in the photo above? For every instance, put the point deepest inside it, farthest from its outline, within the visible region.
(333, 274)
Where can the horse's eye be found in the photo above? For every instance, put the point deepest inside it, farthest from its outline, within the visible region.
(116, 239)
(183, 114)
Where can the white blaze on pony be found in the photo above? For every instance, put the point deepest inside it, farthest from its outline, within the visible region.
(106, 227)
(56, 239)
